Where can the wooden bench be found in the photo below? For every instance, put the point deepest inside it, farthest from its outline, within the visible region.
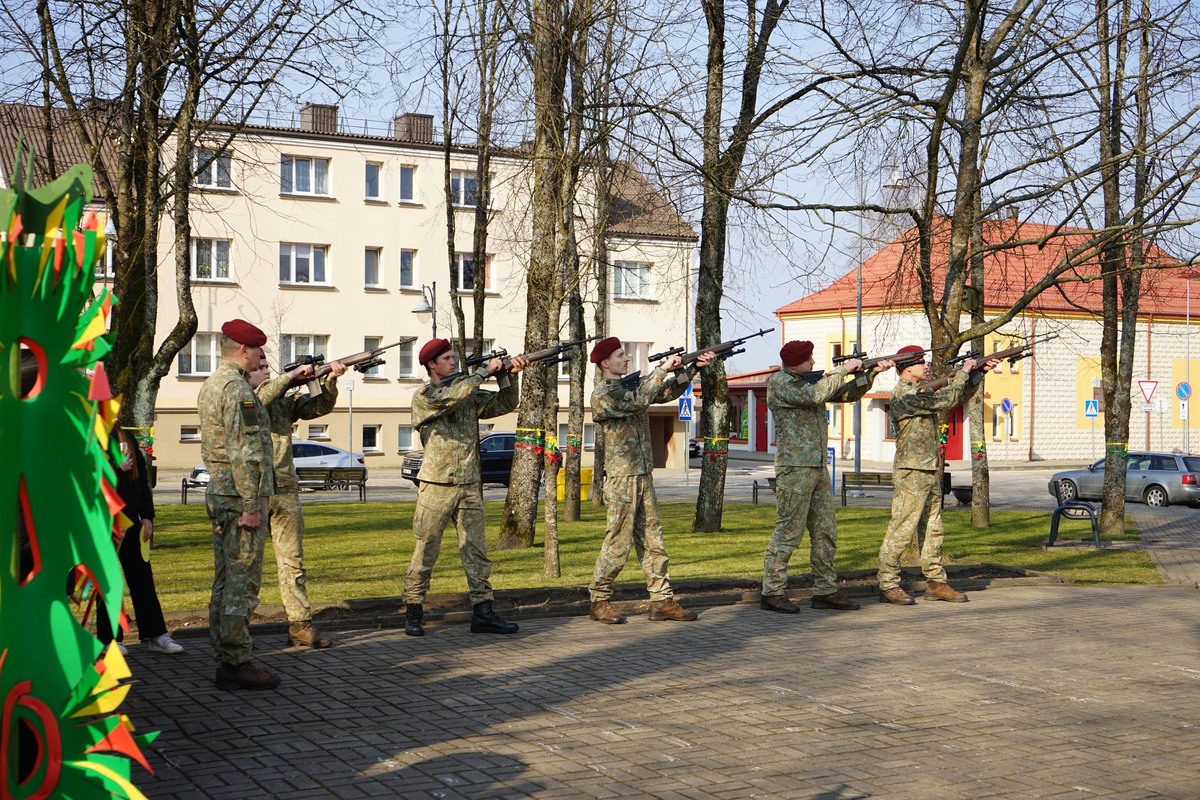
(344, 478)
(862, 480)
(757, 486)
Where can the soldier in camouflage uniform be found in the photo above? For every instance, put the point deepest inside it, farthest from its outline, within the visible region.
(801, 479)
(235, 444)
(917, 501)
(628, 483)
(447, 417)
(286, 519)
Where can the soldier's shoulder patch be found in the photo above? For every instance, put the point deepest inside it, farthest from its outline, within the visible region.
(249, 414)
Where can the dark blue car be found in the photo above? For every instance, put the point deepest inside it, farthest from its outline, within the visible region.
(495, 459)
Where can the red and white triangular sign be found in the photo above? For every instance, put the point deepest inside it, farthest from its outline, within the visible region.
(1147, 388)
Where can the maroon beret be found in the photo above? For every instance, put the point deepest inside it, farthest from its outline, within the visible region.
(794, 353)
(604, 348)
(918, 356)
(432, 349)
(243, 332)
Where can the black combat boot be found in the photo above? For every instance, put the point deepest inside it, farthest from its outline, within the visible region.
(484, 620)
(413, 616)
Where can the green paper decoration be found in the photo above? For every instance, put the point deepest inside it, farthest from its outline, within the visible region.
(60, 734)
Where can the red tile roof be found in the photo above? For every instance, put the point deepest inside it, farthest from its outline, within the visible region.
(890, 277)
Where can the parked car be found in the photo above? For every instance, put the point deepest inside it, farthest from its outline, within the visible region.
(495, 459)
(695, 446)
(305, 454)
(1156, 479)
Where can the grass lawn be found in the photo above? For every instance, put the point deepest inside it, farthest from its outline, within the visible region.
(361, 550)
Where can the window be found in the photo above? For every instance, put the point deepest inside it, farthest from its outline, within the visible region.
(833, 416)
(739, 417)
(488, 346)
(1004, 426)
(210, 259)
(294, 345)
(372, 343)
(408, 269)
(371, 258)
(589, 436)
(408, 176)
(372, 181)
(189, 433)
(212, 169)
(370, 439)
(464, 189)
(406, 359)
(631, 279)
(200, 356)
(404, 438)
(639, 356)
(302, 263)
(303, 175)
(318, 432)
(104, 269)
(466, 273)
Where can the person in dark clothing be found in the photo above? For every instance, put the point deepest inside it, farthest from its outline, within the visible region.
(133, 486)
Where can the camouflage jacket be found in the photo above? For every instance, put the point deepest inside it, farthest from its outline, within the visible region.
(801, 432)
(235, 437)
(285, 410)
(447, 417)
(918, 443)
(622, 415)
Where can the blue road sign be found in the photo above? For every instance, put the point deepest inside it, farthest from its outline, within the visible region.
(1184, 390)
(1006, 406)
(685, 409)
(1091, 408)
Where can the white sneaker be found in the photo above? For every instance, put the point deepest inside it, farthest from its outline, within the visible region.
(165, 644)
(123, 649)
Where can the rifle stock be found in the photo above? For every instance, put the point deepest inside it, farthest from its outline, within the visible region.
(360, 361)
(1013, 354)
(550, 355)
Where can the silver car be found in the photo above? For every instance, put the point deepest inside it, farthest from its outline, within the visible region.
(1156, 479)
(305, 454)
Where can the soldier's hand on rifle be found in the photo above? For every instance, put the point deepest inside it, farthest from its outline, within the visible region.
(883, 365)
(968, 364)
(852, 364)
(516, 364)
(337, 369)
(706, 359)
(495, 365)
(673, 363)
(302, 372)
(991, 364)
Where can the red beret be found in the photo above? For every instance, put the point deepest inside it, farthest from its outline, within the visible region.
(918, 356)
(604, 348)
(794, 353)
(243, 332)
(432, 349)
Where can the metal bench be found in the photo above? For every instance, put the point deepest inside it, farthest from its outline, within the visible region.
(863, 480)
(1071, 508)
(757, 486)
(345, 478)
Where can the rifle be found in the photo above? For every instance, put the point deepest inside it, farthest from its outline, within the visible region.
(550, 355)
(1013, 354)
(860, 377)
(722, 350)
(362, 361)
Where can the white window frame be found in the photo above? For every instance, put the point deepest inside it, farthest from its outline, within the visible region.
(411, 257)
(639, 355)
(461, 259)
(377, 252)
(189, 433)
(378, 167)
(211, 246)
(373, 343)
(623, 286)
(589, 436)
(378, 446)
(314, 252)
(318, 432)
(404, 438)
(464, 189)
(186, 360)
(408, 173)
(310, 170)
(406, 360)
(105, 269)
(292, 345)
(212, 170)
(1004, 426)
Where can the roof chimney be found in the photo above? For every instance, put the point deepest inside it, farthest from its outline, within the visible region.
(319, 118)
(413, 128)
(1013, 211)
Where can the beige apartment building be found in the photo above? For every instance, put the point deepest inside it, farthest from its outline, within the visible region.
(330, 240)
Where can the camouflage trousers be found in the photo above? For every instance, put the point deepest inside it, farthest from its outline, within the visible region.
(237, 576)
(916, 513)
(632, 521)
(287, 538)
(437, 504)
(805, 499)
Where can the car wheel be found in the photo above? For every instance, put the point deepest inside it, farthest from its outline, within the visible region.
(1156, 496)
(1068, 490)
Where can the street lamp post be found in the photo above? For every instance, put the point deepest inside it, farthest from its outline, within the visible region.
(1188, 277)
(427, 309)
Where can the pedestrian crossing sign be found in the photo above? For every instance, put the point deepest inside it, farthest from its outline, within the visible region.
(1091, 408)
(685, 409)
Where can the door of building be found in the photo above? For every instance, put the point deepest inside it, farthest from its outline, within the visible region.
(954, 436)
(760, 426)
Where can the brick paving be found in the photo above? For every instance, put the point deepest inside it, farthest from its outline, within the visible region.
(1035, 691)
